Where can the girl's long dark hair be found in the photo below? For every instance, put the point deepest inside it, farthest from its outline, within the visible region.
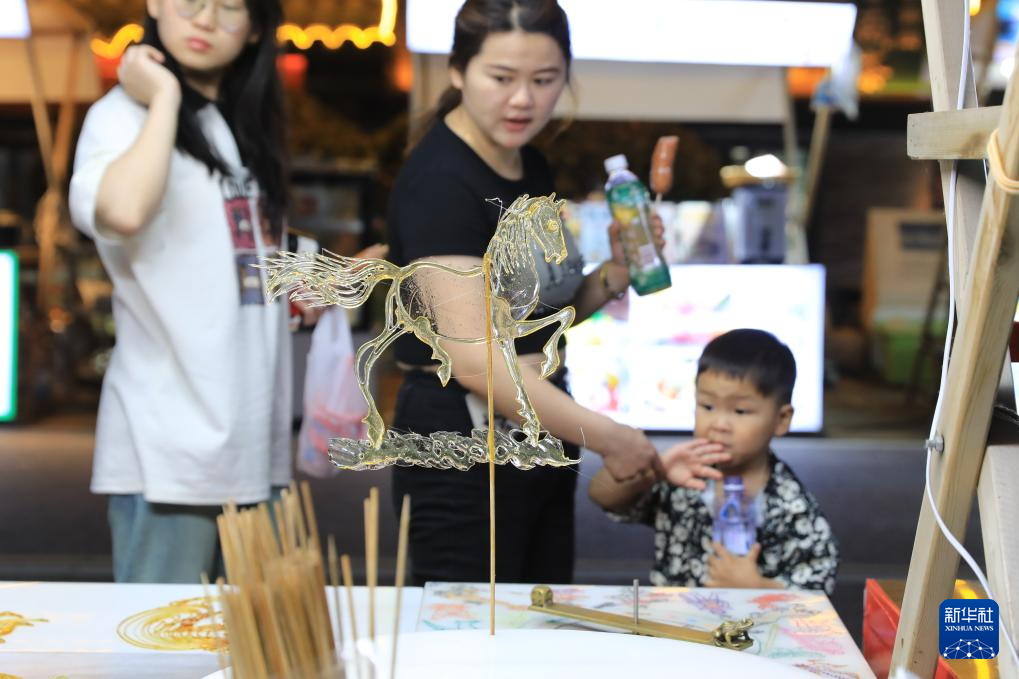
(476, 20)
(251, 99)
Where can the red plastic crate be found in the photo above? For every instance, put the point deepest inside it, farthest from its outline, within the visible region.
(880, 622)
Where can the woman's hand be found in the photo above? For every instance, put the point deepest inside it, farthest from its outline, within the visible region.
(144, 77)
(657, 232)
(688, 464)
(377, 251)
(628, 453)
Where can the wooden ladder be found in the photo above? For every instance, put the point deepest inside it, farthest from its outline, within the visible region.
(986, 269)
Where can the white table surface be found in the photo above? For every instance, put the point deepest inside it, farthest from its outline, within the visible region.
(79, 638)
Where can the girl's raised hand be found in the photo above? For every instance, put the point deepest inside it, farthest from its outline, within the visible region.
(144, 77)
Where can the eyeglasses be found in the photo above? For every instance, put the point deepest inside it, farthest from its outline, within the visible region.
(230, 15)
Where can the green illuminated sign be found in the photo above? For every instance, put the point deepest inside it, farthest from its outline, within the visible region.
(8, 335)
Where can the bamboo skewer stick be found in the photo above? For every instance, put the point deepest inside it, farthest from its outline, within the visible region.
(221, 645)
(252, 641)
(348, 583)
(334, 580)
(491, 444)
(401, 570)
(281, 528)
(327, 646)
(283, 654)
(298, 517)
(372, 563)
(373, 495)
(368, 567)
(309, 514)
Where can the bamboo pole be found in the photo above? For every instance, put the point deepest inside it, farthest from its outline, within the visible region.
(401, 569)
(491, 445)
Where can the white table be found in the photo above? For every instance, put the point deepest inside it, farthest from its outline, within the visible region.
(80, 640)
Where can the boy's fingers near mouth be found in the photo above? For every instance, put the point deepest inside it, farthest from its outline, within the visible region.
(715, 458)
(709, 472)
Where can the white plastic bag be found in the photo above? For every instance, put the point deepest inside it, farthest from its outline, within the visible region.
(333, 403)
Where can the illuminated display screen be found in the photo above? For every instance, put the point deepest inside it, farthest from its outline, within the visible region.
(636, 360)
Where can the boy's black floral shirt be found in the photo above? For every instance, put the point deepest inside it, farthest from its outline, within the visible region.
(797, 545)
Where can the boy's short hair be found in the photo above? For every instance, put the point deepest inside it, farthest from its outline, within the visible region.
(753, 355)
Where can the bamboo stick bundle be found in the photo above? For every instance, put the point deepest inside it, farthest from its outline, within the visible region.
(275, 609)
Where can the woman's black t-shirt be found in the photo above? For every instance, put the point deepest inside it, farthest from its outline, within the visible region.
(440, 205)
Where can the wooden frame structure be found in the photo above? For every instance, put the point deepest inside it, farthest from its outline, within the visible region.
(986, 268)
(52, 65)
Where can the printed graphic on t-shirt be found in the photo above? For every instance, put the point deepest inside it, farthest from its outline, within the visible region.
(238, 199)
(238, 216)
(250, 280)
(268, 237)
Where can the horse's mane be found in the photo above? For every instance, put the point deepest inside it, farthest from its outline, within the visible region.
(511, 243)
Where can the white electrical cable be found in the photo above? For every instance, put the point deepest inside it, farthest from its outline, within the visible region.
(950, 213)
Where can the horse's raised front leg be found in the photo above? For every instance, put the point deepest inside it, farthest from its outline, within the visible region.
(530, 426)
(564, 317)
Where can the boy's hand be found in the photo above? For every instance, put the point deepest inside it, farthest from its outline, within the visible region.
(687, 464)
(725, 569)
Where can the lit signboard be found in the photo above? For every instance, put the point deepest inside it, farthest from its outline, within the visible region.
(8, 335)
(731, 32)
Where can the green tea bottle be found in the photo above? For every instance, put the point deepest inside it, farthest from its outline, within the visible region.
(631, 206)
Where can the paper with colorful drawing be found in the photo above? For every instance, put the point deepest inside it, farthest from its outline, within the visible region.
(800, 629)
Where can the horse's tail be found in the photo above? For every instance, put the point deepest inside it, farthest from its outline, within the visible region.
(324, 279)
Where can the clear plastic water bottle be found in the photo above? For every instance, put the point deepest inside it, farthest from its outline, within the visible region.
(630, 204)
(735, 524)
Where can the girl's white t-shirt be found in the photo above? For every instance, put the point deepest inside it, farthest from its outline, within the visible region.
(195, 406)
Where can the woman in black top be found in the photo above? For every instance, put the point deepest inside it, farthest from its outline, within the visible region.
(509, 64)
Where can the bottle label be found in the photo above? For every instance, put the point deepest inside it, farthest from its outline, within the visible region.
(629, 204)
(736, 540)
(735, 524)
(648, 255)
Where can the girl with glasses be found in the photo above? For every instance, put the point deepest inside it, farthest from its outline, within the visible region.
(180, 180)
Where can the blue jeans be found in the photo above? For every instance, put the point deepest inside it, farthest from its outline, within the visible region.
(164, 543)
